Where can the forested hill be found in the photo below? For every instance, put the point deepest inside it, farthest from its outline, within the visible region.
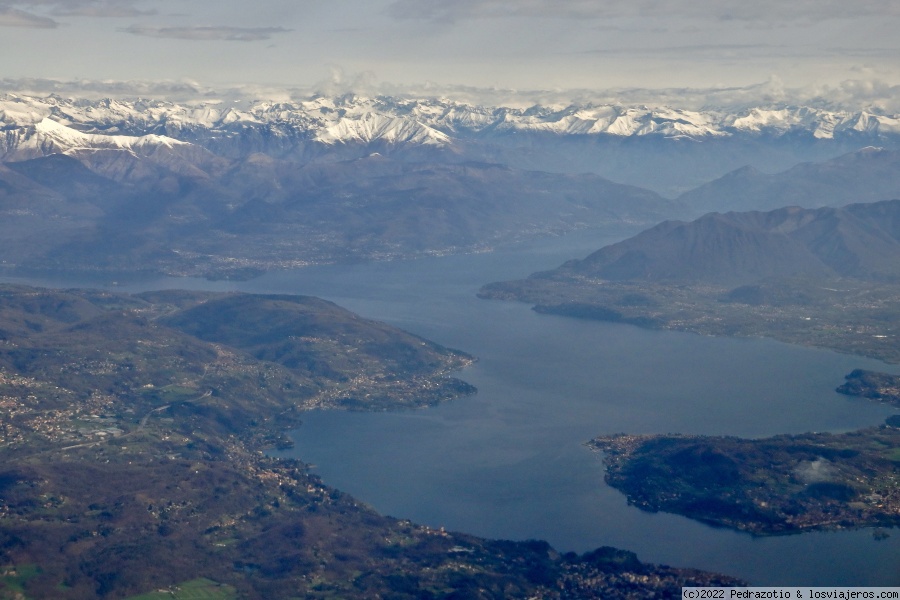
(860, 241)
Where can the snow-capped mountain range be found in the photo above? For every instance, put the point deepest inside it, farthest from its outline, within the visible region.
(51, 123)
(209, 188)
(48, 136)
(665, 149)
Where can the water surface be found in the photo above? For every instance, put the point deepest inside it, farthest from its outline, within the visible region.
(510, 462)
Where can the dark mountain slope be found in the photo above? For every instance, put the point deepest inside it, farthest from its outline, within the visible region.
(827, 277)
(311, 335)
(858, 241)
(421, 206)
(115, 211)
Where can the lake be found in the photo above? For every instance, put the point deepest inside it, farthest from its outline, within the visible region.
(509, 462)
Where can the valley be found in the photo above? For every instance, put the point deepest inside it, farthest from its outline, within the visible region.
(421, 300)
(260, 214)
(155, 437)
(230, 192)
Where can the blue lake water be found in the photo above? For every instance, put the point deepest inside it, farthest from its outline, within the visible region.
(509, 462)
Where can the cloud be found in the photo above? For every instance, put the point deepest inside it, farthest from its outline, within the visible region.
(94, 89)
(28, 13)
(816, 471)
(100, 9)
(872, 94)
(11, 17)
(869, 94)
(340, 82)
(696, 50)
(231, 34)
(767, 11)
(183, 90)
(439, 10)
(86, 8)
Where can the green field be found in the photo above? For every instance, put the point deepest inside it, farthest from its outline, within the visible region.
(197, 589)
(11, 585)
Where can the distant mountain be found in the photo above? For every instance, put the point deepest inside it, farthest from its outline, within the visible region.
(122, 211)
(219, 189)
(40, 203)
(664, 148)
(860, 241)
(350, 118)
(868, 175)
(826, 277)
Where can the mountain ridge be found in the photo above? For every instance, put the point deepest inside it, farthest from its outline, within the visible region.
(859, 241)
(350, 119)
(826, 277)
(667, 149)
(116, 211)
(867, 175)
(207, 188)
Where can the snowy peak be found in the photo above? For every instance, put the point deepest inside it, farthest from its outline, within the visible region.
(619, 121)
(821, 124)
(372, 127)
(50, 137)
(352, 118)
(37, 125)
(66, 136)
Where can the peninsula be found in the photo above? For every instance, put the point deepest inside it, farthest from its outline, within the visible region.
(777, 485)
(871, 384)
(825, 277)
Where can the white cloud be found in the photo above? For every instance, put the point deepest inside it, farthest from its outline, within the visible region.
(816, 471)
(83, 8)
(102, 9)
(768, 11)
(12, 17)
(185, 91)
(851, 95)
(231, 34)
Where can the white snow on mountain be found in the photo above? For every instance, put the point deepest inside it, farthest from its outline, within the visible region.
(864, 122)
(50, 137)
(372, 127)
(48, 131)
(56, 124)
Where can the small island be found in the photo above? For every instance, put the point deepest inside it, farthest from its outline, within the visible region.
(778, 485)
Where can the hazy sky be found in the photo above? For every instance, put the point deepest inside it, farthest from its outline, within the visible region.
(524, 44)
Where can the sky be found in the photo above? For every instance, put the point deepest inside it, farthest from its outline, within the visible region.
(830, 48)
